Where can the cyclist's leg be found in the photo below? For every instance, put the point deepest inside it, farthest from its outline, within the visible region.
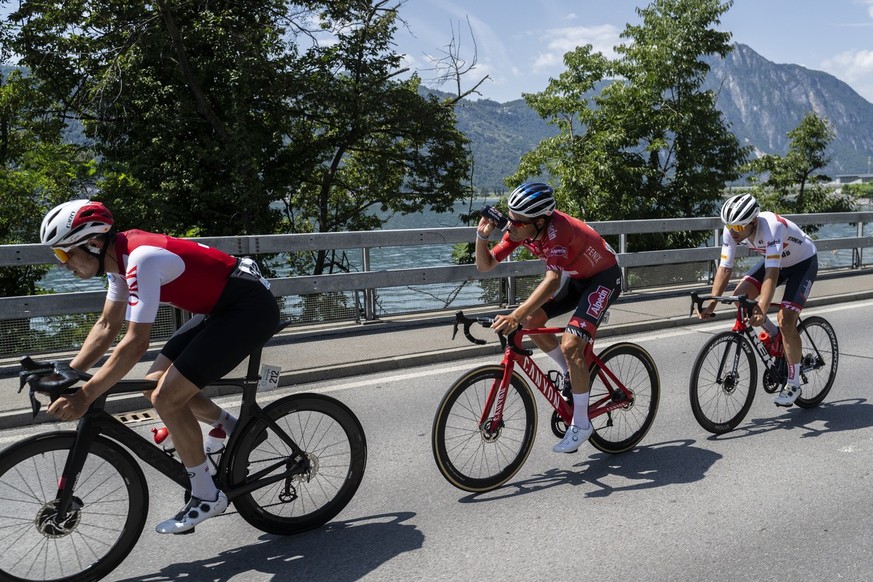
(203, 408)
(593, 298)
(243, 320)
(798, 284)
(561, 302)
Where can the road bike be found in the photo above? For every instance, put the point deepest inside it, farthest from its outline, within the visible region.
(485, 425)
(73, 503)
(725, 371)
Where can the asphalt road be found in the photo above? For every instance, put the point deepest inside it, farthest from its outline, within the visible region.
(786, 496)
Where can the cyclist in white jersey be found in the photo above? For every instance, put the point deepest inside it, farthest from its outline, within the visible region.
(789, 258)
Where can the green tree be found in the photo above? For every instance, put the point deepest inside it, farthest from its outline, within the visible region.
(638, 137)
(379, 146)
(792, 184)
(37, 171)
(246, 117)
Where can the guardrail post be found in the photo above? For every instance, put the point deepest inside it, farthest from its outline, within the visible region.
(713, 265)
(510, 288)
(858, 253)
(622, 248)
(369, 294)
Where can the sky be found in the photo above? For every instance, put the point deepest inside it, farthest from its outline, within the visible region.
(520, 43)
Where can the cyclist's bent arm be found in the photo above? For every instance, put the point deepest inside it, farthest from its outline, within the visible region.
(485, 261)
(124, 357)
(101, 336)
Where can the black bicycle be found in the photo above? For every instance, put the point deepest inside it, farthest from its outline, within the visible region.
(725, 372)
(73, 503)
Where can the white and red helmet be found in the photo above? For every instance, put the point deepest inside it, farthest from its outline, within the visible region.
(72, 223)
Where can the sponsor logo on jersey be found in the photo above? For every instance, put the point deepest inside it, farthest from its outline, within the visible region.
(133, 287)
(593, 256)
(597, 301)
(552, 233)
(558, 252)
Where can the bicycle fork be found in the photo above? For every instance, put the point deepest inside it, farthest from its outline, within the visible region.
(60, 516)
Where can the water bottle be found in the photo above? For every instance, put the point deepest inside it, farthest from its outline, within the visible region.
(214, 446)
(164, 440)
(495, 216)
(772, 343)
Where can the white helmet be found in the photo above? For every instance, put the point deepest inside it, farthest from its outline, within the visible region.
(72, 223)
(740, 210)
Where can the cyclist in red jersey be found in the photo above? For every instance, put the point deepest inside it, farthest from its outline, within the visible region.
(236, 314)
(582, 276)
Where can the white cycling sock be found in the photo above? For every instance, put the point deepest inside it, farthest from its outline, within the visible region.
(794, 374)
(558, 356)
(580, 410)
(770, 327)
(202, 485)
(226, 420)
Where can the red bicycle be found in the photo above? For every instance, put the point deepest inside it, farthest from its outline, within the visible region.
(485, 425)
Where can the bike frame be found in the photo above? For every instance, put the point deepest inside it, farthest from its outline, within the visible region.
(97, 421)
(514, 355)
(740, 326)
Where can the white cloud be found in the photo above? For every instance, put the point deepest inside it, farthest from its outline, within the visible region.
(560, 41)
(855, 68)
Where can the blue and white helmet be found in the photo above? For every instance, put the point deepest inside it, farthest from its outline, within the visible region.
(532, 199)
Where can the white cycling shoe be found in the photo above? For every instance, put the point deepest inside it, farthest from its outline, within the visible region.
(197, 511)
(573, 439)
(787, 396)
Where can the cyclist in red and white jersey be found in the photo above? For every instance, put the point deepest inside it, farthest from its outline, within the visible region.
(582, 276)
(789, 258)
(236, 315)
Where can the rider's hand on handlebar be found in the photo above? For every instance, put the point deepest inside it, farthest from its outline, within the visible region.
(70, 407)
(505, 323)
(708, 311)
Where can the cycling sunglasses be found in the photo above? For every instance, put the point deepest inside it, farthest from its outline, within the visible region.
(519, 223)
(63, 255)
(737, 227)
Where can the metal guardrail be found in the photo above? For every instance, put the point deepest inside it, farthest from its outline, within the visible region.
(88, 302)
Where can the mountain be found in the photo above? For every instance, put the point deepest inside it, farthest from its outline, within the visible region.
(761, 101)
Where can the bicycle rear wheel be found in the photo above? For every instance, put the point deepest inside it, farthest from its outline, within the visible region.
(723, 380)
(821, 356)
(621, 429)
(481, 458)
(110, 508)
(336, 449)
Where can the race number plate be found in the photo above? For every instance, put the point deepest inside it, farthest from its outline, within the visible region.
(269, 377)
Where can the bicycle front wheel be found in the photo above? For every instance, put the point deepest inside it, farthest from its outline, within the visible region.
(818, 364)
(110, 504)
(476, 457)
(622, 428)
(336, 450)
(722, 384)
